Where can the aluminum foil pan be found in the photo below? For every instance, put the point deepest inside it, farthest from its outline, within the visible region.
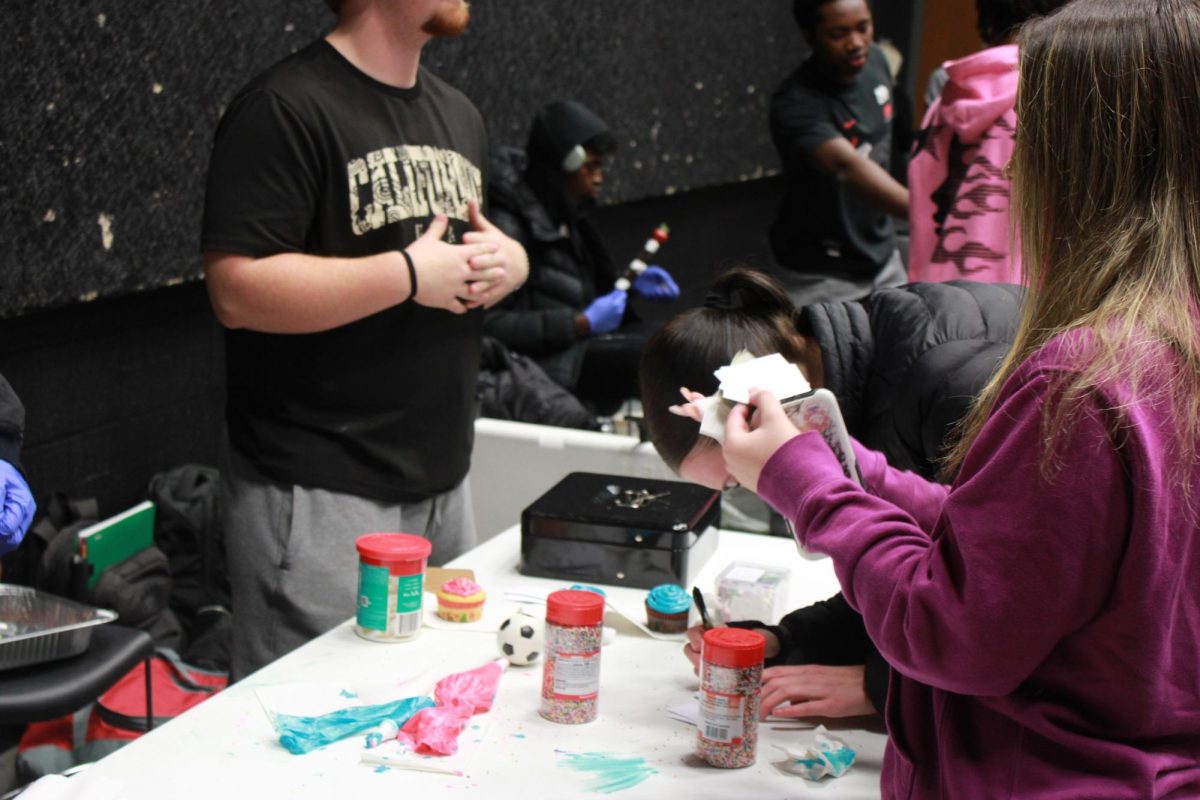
(37, 627)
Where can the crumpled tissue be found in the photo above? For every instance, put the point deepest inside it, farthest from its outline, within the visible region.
(827, 755)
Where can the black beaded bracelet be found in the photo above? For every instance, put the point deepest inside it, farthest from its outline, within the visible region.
(412, 275)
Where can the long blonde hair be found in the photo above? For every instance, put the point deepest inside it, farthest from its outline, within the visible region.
(1106, 183)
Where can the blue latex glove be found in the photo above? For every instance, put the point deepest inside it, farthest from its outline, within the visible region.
(16, 507)
(655, 283)
(605, 312)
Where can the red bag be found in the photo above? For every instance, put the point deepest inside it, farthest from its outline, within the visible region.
(118, 716)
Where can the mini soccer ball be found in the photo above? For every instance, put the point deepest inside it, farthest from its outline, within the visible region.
(521, 638)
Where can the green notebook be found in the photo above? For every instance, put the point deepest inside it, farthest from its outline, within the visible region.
(115, 539)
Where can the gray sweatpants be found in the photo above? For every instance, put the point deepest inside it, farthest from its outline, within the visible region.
(293, 567)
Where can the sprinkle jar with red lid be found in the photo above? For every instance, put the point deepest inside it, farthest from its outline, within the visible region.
(731, 667)
(571, 670)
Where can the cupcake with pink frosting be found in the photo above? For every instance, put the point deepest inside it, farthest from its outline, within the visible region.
(461, 600)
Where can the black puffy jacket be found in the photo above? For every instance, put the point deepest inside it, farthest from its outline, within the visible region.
(906, 363)
(568, 268)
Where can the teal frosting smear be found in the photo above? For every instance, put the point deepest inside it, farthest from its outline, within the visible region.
(669, 598)
(611, 772)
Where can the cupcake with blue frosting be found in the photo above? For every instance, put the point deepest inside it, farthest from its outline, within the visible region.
(667, 607)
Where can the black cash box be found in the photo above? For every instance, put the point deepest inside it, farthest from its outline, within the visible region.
(622, 531)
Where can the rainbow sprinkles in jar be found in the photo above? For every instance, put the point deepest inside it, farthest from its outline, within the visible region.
(571, 670)
(731, 667)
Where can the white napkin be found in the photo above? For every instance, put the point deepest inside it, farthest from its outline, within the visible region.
(768, 372)
(742, 375)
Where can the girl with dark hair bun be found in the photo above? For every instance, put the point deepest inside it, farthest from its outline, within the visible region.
(746, 310)
(904, 364)
(1041, 613)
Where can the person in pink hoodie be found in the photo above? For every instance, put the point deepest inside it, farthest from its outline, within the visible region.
(1042, 613)
(959, 195)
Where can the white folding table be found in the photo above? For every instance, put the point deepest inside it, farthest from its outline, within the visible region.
(226, 747)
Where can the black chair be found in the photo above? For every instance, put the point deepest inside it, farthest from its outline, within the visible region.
(45, 691)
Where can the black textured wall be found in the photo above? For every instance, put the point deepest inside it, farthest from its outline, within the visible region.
(110, 107)
(105, 130)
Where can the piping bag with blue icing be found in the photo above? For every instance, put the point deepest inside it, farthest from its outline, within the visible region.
(301, 735)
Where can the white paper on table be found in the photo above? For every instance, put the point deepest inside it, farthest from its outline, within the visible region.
(315, 699)
(685, 712)
(535, 597)
(637, 615)
(689, 713)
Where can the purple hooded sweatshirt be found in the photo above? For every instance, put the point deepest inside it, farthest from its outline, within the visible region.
(1045, 636)
(958, 211)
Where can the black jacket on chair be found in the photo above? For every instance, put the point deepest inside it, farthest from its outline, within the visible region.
(568, 268)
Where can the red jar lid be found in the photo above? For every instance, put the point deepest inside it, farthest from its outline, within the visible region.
(733, 647)
(394, 550)
(574, 607)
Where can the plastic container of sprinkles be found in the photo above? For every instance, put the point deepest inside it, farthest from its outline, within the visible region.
(731, 667)
(391, 584)
(571, 670)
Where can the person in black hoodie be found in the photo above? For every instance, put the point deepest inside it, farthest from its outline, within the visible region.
(904, 363)
(569, 316)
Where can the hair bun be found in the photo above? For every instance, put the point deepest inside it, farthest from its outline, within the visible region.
(750, 291)
(725, 301)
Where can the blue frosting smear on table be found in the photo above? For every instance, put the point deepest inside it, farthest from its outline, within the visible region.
(611, 772)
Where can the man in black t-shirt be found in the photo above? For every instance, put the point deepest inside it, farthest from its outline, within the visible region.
(831, 120)
(346, 253)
